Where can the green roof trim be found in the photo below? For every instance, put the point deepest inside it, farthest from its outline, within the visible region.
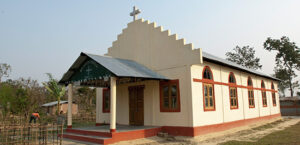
(90, 70)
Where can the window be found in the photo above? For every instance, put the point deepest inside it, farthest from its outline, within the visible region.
(273, 95)
(169, 96)
(208, 90)
(233, 92)
(264, 94)
(207, 73)
(106, 100)
(208, 96)
(250, 93)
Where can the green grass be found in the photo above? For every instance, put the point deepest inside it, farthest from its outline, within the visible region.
(83, 124)
(288, 136)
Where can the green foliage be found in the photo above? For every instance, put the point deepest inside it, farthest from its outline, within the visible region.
(86, 97)
(244, 56)
(282, 75)
(20, 103)
(287, 60)
(55, 90)
(6, 95)
(15, 99)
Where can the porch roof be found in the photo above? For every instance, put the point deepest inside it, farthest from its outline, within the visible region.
(106, 66)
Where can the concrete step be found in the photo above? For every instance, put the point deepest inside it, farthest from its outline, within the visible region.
(85, 138)
(89, 133)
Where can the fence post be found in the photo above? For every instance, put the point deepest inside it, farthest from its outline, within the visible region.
(46, 138)
(28, 139)
(52, 131)
(6, 136)
(21, 135)
(40, 134)
(36, 134)
(61, 133)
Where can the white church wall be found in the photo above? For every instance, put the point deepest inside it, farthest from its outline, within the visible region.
(223, 113)
(152, 114)
(263, 111)
(123, 103)
(163, 52)
(200, 116)
(232, 114)
(249, 112)
(150, 45)
(100, 116)
(184, 117)
(273, 109)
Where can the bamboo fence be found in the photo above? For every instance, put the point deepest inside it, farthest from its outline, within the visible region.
(31, 134)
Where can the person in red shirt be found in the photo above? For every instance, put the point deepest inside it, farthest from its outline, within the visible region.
(34, 116)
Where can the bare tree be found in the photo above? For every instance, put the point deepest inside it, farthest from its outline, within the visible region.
(5, 70)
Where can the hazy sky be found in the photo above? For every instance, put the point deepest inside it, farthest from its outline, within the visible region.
(37, 36)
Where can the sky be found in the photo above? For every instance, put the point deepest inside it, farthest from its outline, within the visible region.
(38, 37)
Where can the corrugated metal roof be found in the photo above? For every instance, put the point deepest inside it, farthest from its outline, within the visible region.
(118, 67)
(53, 103)
(209, 57)
(125, 68)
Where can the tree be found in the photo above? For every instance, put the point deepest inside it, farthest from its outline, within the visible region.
(6, 95)
(21, 97)
(244, 56)
(5, 70)
(31, 96)
(287, 59)
(55, 90)
(86, 97)
(283, 84)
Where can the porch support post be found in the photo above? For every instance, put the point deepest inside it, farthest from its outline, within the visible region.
(70, 103)
(113, 92)
(99, 93)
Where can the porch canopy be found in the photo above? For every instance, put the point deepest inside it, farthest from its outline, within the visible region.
(95, 70)
(104, 71)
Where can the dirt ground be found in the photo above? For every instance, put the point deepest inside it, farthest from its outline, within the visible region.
(251, 133)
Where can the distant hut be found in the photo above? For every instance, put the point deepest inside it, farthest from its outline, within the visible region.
(290, 106)
(52, 107)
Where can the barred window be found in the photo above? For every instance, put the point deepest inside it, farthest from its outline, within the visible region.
(170, 96)
(208, 90)
(264, 94)
(250, 93)
(233, 92)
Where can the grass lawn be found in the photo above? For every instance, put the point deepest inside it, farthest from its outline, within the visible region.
(83, 124)
(288, 136)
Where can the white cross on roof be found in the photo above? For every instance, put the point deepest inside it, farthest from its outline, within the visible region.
(135, 12)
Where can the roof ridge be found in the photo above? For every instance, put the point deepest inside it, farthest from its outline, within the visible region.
(107, 56)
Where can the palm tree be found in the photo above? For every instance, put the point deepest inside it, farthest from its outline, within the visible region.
(55, 90)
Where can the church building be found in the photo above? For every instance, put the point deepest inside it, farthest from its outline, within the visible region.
(150, 81)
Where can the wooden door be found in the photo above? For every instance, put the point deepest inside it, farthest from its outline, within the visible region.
(136, 105)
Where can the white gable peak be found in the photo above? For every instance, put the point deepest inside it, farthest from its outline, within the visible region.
(150, 45)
